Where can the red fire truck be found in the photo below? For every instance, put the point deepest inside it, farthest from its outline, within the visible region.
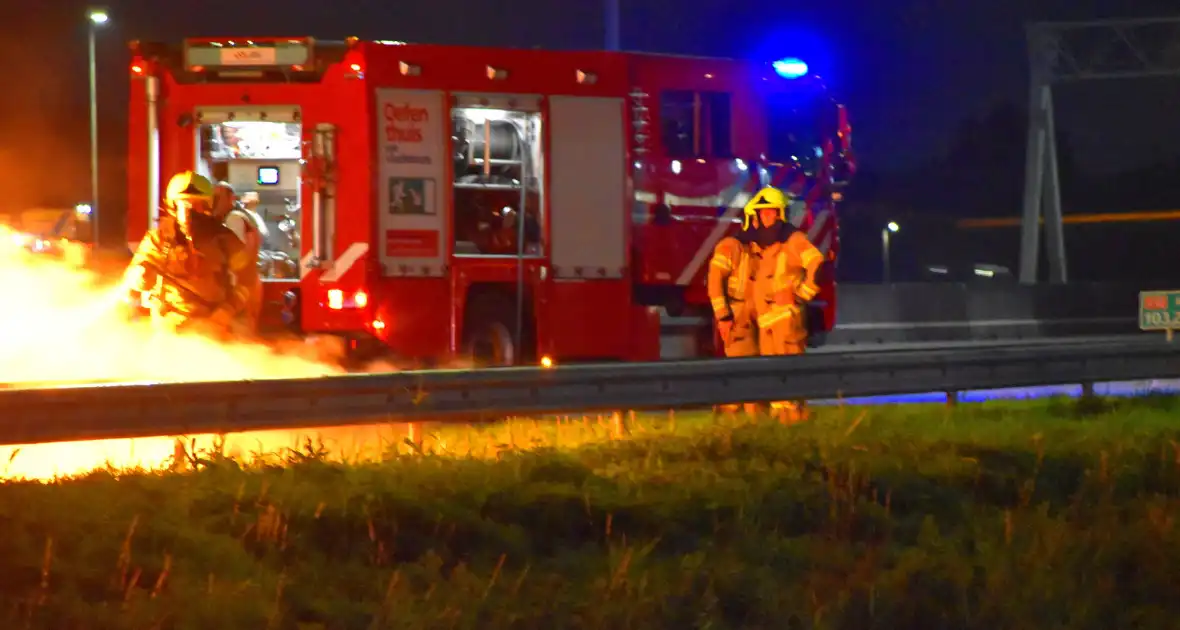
(511, 205)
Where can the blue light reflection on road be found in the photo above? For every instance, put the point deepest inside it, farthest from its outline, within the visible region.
(1115, 389)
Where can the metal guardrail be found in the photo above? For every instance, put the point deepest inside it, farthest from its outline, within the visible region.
(1048, 342)
(121, 411)
(948, 311)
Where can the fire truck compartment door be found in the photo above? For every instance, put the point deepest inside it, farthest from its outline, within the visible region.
(412, 130)
(588, 224)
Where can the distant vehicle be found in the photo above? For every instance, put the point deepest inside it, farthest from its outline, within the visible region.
(512, 205)
(979, 272)
(45, 230)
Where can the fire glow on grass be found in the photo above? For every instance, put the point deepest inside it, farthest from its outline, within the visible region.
(45, 462)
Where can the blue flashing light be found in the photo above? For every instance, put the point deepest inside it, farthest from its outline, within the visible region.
(790, 68)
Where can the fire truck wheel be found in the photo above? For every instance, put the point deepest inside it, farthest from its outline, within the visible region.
(488, 331)
(490, 344)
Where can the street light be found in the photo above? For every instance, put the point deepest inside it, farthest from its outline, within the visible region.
(890, 228)
(96, 18)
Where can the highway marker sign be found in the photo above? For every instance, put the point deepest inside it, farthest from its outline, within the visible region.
(1159, 310)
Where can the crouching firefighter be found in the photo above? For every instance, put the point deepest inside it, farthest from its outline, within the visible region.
(785, 267)
(729, 283)
(185, 267)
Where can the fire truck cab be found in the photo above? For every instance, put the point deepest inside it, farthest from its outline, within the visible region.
(443, 202)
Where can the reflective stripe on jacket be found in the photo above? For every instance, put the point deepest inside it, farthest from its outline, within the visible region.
(729, 277)
(786, 278)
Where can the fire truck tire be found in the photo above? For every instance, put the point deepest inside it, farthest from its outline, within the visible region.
(489, 326)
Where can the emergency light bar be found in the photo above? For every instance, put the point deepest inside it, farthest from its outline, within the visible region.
(790, 68)
(248, 53)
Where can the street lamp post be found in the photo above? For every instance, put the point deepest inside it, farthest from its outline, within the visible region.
(96, 18)
(611, 20)
(890, 228)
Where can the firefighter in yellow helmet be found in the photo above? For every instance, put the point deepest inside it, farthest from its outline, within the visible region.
(786, 264)
(189, 264)
(730, 281)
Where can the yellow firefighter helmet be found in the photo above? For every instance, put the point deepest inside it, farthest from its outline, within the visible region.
(189, 186)
(769, 197)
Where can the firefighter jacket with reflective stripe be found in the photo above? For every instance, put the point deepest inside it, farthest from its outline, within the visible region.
(190, 277)
(785, 279)
(728, 281)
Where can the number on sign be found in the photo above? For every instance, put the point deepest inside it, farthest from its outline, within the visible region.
(1159, 319)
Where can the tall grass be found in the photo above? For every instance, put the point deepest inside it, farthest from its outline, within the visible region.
(991, 516)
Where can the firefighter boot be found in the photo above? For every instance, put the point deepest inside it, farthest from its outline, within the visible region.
(724, 410)
(789, 412)
(755, 410)
(804, 411)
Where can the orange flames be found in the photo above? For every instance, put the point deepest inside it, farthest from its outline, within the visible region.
(62, 323)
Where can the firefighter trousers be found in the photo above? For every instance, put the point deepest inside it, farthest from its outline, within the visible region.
(742, 342)
(743, 339)
(173, 322)
(253, 308)
(785, 340)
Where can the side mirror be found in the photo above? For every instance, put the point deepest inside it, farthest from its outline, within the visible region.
(661, 214)
(844, 160)
(843, 168)
(83, 232)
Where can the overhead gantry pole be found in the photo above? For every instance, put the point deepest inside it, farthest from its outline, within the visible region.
(1061, 52)
(612, 19)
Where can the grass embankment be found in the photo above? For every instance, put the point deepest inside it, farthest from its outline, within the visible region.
(991, 516)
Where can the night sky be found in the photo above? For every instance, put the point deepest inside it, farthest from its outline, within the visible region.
(910, 70)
